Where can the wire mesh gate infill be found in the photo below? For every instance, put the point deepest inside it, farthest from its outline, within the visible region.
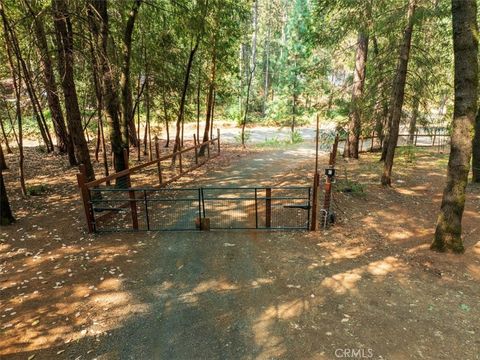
(166, 209)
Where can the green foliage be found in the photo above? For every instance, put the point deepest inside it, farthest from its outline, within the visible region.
(408, 153)
(37, 190)
(296, 137)
(247, 136)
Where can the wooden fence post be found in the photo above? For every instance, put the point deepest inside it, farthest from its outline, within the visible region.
(131, 193)
(159, 163)
(268, 207)
(326, 202)
(218, 139)
(416, 137)
(195, 147)
(85, 193)
(313, 224)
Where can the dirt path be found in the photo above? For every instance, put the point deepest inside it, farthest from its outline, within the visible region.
(214, 289)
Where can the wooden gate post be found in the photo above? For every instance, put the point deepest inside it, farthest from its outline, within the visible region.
(131, 193)
(313, 224)
(85, 193)
(326, 202)
(268, 207)
(218, 139)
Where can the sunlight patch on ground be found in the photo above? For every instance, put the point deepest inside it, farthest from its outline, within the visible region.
(385, 266)
(214, 285)
(272, 345)
(347, 282)
(343, 282)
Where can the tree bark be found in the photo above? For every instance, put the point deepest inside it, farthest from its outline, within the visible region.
(5, 137)
(64, 34)
(355, 124)
(398, 95)
(3, 164)
(6, 215)
(128, 123)
(448, 233)
(476, 151)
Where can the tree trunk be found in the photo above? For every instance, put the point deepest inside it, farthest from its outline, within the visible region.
(5, 137)
(15, 48)
(64, 34)
(128, 123)
(476, 151)
(380, 111)
(448, 233)
(3, 164)
(165, 114)
(398, 95)
(213, 112)
(98, 22)
(64, 144)
(251, 68)
(267, 65)
(178, 144)
(211, 88)
(199, 87)
(413, 121)
(355, 125)
(6, 216)
(16, 74)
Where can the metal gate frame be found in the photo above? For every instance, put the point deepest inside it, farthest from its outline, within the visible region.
(189, 211)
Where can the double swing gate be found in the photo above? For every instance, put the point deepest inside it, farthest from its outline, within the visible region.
(163, 209)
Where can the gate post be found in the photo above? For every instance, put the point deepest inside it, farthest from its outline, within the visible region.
(218, 140)
(313, 224)
(268, 207)
(85, 193)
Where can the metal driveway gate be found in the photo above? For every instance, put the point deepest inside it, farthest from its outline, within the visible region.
(164, 209)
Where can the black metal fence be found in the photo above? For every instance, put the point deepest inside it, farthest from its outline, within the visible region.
(166, 209)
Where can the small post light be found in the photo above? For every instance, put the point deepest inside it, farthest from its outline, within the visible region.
(330, 172)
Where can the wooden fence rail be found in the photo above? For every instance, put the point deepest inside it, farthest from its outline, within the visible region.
(176, 163)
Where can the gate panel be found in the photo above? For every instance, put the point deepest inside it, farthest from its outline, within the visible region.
(154, 209)
(257, 208)
(165, 209)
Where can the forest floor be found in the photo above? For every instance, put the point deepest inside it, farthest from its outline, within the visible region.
(368, 286)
